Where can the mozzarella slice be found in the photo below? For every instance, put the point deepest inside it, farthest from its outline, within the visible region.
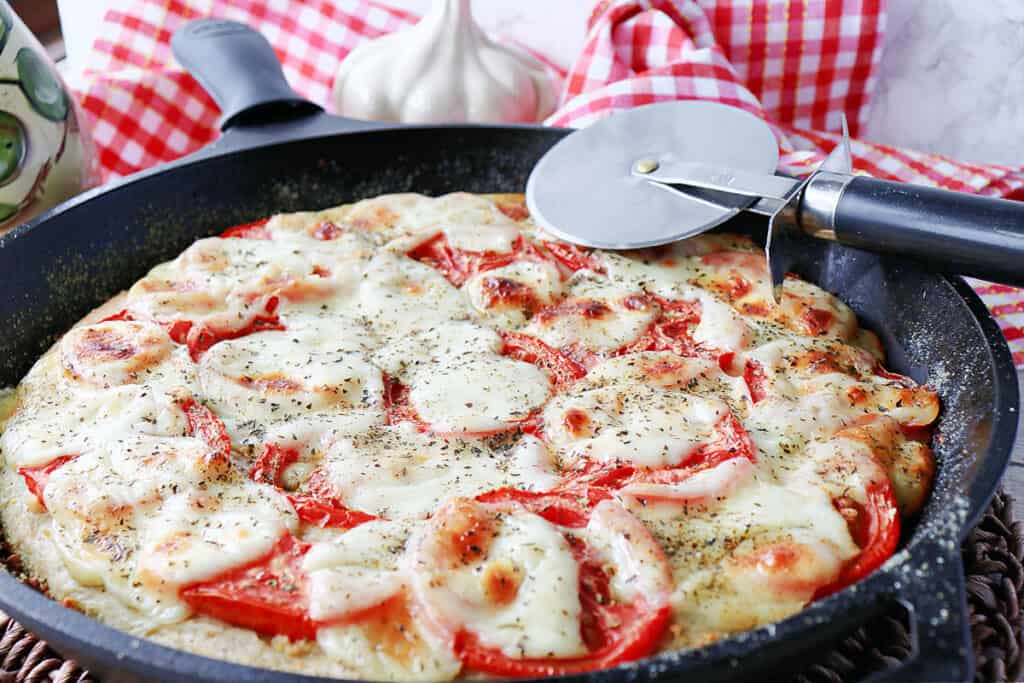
(275, 375)
(597, 316)
(146, 515)
(197, 535)
(113, 352)
(510, 295)
(399, 472)
(82, 422)
(648, 427)
(703, 487)
(458, 381)
(519, 596)
(641, 571)
(399, 296)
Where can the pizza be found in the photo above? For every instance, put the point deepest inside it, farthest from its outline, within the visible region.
(417, 438)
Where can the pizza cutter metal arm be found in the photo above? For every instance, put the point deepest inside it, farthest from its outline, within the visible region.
(950, 231)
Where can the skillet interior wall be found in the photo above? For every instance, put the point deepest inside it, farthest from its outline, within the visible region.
(57, 272)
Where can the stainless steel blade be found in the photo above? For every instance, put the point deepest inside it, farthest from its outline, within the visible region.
(786, 241)
(584, 189)
(706, 176)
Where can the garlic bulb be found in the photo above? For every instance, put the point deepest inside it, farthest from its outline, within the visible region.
(443, 69)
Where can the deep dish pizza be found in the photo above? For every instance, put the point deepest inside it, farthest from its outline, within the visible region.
(415, 438)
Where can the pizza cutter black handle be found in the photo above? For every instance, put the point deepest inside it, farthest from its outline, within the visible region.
(237, 66)
(950, 231)
(940, 633)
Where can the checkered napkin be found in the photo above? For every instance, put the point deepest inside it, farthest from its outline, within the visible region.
(799, 64)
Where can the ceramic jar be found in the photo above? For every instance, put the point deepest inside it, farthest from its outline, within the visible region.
(45, 155)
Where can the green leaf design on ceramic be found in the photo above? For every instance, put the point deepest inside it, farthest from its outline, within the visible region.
(13, 142)
(41, 85)
(6, 24)
(7, 210)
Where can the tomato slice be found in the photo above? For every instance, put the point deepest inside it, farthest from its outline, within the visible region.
(177, 330)
(320, 507)
(672, 331)
(458, 265)
(875, 528)
(201, 337)
(565, 507)
(267, 595)
(756, 380)
(327, 513)
(205, 425)
(255, 230)
(37, 477)
(574, 258)
(562, 370)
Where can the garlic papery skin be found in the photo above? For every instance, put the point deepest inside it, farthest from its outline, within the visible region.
(443, 69)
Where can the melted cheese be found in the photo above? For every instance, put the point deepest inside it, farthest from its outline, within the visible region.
(595, 316)
(621, 414)
(113, 353)
(356, 571)
(275, 375)
(73, 423)
(458, 382)
(397, 296)
(146, 515)
(399, 472)
(395, 645)
(510, 295)
(541, 618)
(715, 595)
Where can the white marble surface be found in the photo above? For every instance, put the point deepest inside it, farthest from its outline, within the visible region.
(951, 81)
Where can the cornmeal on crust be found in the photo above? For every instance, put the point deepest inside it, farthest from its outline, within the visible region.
(416, 438)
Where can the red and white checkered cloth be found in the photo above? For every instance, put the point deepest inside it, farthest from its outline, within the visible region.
(799, 64)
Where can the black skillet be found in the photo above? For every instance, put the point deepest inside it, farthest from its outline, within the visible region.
(281, 153)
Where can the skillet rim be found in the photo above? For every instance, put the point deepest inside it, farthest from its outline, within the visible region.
(80, 633)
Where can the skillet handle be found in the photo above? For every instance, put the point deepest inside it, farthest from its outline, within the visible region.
(940, 632)
(951, 231)
(237, 66)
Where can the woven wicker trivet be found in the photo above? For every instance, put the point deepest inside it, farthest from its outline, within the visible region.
(992, 555)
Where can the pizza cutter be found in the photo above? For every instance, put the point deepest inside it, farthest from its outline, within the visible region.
(664, 172)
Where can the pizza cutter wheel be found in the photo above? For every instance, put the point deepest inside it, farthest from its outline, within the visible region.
(664, 172)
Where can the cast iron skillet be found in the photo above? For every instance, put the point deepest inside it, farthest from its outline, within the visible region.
(281, 153)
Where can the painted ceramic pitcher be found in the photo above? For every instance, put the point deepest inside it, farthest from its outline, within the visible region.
(45, 155)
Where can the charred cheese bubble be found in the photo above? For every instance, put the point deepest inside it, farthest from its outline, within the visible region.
(415, 438)
(113, 353)
(511, 295)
